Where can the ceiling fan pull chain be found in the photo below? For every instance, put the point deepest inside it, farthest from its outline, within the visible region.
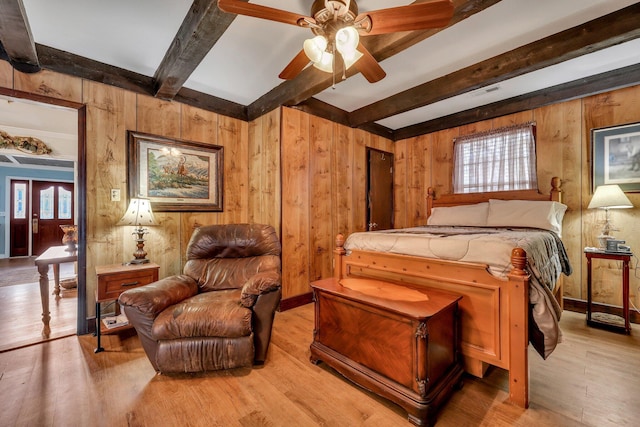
(333, 74)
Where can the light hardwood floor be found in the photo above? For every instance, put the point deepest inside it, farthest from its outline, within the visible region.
(21, 308)
(592, 379)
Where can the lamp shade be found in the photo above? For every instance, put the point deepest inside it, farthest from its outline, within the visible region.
(609, 197)
(138, 213)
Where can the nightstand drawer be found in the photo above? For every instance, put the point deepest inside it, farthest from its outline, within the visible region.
(112, 282)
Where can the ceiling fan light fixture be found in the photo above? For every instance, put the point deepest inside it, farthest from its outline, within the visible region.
(351, 59)
(315, 48)
(325, 63)
(347, 40)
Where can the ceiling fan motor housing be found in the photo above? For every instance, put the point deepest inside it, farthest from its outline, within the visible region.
(326, 25)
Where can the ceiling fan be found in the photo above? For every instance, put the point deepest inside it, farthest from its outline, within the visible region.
(338, 26)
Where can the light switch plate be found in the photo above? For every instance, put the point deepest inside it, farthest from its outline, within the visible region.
(115, 194)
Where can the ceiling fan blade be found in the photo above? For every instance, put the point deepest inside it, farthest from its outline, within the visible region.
(368, 66)
(294, 67)
(258, 11)
(417, 16)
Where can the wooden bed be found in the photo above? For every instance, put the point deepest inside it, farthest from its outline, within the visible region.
(494, 312)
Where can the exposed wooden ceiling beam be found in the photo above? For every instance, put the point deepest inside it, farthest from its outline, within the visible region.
(604, 82)
(203, 26)
(79, 66)
(16, 41)
(607, 31)
(74, 65)
(312, 81)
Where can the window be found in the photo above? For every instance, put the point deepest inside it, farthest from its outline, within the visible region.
(499, 160)
(19, 202)
(64, 203)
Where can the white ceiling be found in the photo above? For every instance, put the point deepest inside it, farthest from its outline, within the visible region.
(55, 126)
(244, 64)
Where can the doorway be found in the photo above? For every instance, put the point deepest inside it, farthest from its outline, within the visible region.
(379, 190)
(75, 151)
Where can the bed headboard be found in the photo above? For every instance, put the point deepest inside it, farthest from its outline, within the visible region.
(472, 198)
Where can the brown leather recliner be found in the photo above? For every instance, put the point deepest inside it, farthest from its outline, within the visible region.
(217, 314)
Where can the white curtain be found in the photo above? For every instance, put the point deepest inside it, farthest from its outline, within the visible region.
(498, 160)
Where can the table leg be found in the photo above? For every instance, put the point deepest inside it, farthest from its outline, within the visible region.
(98, 348)
(43, 269)
(56, 280)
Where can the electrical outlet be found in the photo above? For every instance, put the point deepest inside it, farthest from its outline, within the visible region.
(115, 194)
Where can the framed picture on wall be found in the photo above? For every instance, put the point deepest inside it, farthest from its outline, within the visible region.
(175, 175)
(616, 156)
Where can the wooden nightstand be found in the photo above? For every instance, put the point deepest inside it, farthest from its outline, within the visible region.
(113, 280)
(624, 257)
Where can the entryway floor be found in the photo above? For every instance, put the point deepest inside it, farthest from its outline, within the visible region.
(21, 307)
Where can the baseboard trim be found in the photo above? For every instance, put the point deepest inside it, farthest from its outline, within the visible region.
(580, 306)
(296, 301)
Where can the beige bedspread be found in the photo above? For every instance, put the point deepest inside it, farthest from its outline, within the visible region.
(546, 258)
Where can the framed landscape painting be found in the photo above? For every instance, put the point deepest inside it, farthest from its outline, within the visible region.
(616, 156)
(175, 175)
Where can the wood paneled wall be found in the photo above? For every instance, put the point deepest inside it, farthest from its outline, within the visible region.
(251, 166)
(307, 176)
(563, 150)
(323, 193)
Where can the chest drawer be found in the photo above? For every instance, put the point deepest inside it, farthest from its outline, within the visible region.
(112, 282)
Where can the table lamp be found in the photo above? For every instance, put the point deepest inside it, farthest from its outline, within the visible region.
(139, 214)
(607, 197)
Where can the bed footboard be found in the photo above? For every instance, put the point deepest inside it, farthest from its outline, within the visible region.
(494, 312)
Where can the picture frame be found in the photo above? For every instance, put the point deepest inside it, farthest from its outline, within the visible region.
(175, 175)
(616, 156)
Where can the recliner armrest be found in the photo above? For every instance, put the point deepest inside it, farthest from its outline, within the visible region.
(261, 283)
(151, 299)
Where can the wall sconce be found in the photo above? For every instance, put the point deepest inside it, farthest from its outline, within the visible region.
(138, 214)
(608, 197)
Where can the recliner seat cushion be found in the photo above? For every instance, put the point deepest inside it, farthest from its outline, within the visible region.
(209, 314)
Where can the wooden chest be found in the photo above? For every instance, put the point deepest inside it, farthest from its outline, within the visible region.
(401, 343)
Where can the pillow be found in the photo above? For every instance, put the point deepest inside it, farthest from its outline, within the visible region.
(546, 215)
(469, 215)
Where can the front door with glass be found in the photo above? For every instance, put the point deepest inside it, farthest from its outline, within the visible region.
(52, 204)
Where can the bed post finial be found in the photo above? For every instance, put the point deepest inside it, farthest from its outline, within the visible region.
(338, 253)
(519, 262)
(556, 191)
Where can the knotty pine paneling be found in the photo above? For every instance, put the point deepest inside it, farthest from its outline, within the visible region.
(399, 180)
(264, 170)
(295, 203)
(323, 193)
(6, 75)
(163, 118)
(610, 109)
(49, 83)
(342, 180)
(359, 183)
(320, 215)
(233, 135)
(418, 168)
(442, 160)
(110, 111)
(558, 130)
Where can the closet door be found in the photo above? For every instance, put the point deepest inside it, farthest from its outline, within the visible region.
(379, 190)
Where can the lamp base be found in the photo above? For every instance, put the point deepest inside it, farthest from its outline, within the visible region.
(139, 261)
